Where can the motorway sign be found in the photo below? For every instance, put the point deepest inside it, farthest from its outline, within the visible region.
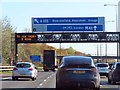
(75, 28)
(68, 24)
(35, 58)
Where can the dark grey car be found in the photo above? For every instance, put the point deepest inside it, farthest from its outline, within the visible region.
(77, 72)
(114, 74)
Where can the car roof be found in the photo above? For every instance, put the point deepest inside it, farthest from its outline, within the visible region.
(117, 62)
(80, 57)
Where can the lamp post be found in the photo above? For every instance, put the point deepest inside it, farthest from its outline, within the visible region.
(106, 43)
(116, 25)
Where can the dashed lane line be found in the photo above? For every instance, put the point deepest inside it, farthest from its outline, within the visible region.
(44, 81)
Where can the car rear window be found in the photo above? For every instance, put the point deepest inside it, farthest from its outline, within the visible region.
(23, 65)
(77, 62)
(102, 65)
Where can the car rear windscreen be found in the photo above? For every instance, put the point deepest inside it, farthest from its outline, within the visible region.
(77, 61)
(23, 65)
(102, 65)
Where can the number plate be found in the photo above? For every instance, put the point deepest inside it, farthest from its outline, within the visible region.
(79, 72)
(22, 74)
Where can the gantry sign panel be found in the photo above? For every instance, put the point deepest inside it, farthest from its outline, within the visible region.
(67, 37)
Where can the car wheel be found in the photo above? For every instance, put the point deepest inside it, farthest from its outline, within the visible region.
(13, 78)
(109, 81)
(33, 78)
(113, 82)
(98, 88)
(58, 87)
(16, 78)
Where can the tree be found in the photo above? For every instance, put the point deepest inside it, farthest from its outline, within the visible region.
(7, 29)
(70, 51)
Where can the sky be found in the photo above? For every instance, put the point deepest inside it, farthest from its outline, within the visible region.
(20, 13)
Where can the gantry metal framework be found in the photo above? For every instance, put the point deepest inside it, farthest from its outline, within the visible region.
(68, 37)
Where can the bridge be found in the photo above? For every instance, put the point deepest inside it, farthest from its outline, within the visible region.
(98, 57)
(70, 37)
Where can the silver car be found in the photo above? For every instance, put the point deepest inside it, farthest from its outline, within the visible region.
(24, 70)
(103, 69)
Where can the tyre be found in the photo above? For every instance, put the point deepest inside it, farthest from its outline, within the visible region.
(109, 81)
(98, 88)
(33, 78)
(58, 87)
(13, 78)
(113, 82)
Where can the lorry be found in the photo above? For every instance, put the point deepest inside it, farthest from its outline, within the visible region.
(49, 60)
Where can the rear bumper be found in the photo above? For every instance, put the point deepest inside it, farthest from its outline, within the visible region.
(103, 74)
(22, 76)
(91, 84)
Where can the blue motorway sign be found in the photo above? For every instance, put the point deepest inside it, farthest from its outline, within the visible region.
(75, 28)
(68, 24)
(68, 20)
(35, 58)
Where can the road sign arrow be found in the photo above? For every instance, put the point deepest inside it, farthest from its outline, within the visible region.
(95, 28)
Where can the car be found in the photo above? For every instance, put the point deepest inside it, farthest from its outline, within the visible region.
(103, 69)
(114, 74)
(24, 70)
(77, 72)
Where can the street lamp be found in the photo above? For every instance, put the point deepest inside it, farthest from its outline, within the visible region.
(116, 12)
(116, 25)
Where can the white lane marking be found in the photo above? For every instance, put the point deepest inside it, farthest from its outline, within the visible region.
(41, 84)
(45, 80)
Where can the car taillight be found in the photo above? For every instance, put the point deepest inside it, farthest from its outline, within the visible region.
(94, 70)
(109, 70)
(31, 69)
(15, 69)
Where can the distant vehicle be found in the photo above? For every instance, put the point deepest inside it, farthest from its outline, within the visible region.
(24, 70)
(114, 74)
(103, 69)
(77, 72)
(49, 60)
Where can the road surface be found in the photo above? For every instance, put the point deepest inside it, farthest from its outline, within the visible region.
(45, 80)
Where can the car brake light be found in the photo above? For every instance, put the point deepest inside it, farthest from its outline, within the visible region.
(94, 70)
(31, 69)
(15, 69)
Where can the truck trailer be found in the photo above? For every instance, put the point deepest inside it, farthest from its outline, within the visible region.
(49, 60)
